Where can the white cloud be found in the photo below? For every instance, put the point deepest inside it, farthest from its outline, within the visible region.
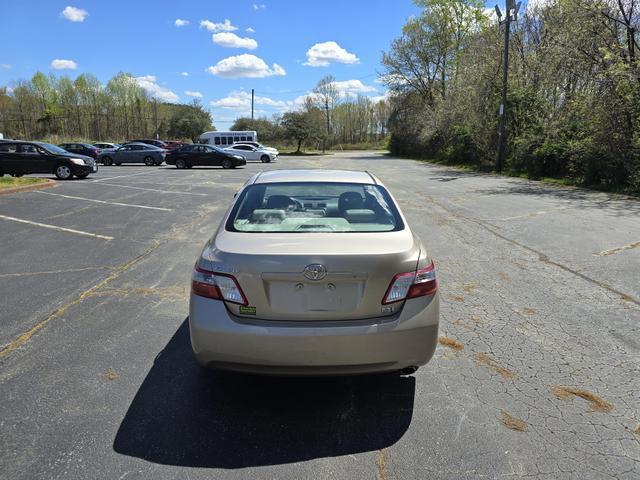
(225, 26)
(259, 6)
(6, 66)
(245, 65)
(190, 93)
(353, 87)
(60, 64)
(74, 14)
(184, 74)
(323, 54)
(148, 82)
(250, 30)
(231, 40)
(240, 101)
(181, 23)
(9, 91)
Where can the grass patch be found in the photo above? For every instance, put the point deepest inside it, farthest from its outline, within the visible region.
(513, 423)
(11, 182)
(597, 403)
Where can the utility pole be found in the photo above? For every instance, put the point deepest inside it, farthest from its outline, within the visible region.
(511, 15)
(155, 116)
(252, 97)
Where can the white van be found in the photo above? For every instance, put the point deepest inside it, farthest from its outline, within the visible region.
(225, 139)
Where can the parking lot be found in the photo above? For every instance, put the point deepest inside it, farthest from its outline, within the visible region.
(538, 373)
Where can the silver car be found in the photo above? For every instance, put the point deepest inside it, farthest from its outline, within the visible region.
(314, 272)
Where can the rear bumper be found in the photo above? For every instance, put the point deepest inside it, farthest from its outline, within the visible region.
(223, 340)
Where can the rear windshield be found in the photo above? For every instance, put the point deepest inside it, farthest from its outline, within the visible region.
(314, 207)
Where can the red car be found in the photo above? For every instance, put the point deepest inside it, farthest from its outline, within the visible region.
(172, 145)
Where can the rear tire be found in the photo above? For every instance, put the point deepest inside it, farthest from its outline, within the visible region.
(180, 163)
(265, 158)
(64, 172)
(149, 162)
(17, 175)
(107, 161)
(118, 164)
(227, 163)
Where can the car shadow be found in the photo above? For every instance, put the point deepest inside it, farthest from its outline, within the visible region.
(185, 415)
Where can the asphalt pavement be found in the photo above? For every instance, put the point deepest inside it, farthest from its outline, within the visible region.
(537, 376)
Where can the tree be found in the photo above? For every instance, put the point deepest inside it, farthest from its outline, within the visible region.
(298, 126)
(326, 96)
(189, 121)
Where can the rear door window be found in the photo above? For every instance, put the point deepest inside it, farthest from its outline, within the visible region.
(8, 148)
(314, 207)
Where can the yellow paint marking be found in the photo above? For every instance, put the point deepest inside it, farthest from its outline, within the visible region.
(613, 251)
(26, 336)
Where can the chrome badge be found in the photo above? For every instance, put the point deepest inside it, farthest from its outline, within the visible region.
(315, 271)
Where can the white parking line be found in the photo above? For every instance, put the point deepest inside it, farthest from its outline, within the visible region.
(154, 190)
(106, 202)
(54, 227)
(119, 176)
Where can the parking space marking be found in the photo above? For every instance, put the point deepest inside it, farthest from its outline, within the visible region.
(55, 227)
(119, 176)
(106, 202)
(535, 214)
(155, 190)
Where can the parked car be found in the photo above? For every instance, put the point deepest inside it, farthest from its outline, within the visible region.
(259, 145)
(81, 149)
(251, 153)
(107, 146)
(134, 153)
(18, 158)
(314, 272)
(150, 141)
(198, 155)
(172, 145)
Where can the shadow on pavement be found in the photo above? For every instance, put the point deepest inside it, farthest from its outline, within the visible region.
(185, 415)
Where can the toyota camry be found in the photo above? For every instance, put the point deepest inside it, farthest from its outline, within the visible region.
(314, 272)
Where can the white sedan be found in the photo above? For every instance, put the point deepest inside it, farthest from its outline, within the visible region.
(251, 153)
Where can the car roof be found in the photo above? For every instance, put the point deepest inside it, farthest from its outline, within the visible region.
(316, 175)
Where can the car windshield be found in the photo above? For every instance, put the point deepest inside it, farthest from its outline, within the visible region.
(51, 148)
(314, 207)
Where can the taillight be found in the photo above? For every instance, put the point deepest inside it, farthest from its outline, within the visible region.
(219, 286)
(412, 284)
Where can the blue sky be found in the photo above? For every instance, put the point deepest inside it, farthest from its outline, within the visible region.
(219, 49)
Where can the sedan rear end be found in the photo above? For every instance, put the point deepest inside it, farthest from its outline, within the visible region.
(314, 272)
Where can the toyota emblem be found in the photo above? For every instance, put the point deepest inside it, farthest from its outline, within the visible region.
(315, 271)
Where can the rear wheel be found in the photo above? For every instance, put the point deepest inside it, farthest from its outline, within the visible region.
(17, 175)
(63, 172)
(180, 163)
(148, 161)
(227, 163)
(265, 158)
(107, 161)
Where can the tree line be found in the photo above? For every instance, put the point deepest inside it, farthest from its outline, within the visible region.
(573, 106)
(328, 118)
(47, 106)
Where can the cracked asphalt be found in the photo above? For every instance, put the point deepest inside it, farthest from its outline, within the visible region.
(537, 375)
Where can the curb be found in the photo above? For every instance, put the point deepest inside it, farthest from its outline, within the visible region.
(27, 188)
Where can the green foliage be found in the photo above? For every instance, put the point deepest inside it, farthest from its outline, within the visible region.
(573, 108)
(189, 121)
(59, 107)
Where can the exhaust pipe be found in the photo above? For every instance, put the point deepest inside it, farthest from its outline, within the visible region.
(408, 370)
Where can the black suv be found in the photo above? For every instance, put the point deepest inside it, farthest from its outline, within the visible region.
(18, 158)
(82, 149)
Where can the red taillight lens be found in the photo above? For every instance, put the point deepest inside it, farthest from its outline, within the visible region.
(412, 284)
(218, 286)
